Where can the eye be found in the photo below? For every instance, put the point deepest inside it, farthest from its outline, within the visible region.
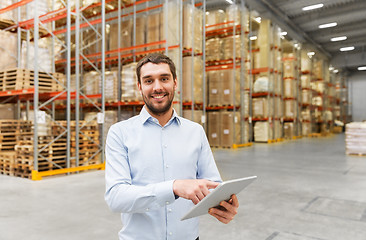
(148, 81)
(164, 79)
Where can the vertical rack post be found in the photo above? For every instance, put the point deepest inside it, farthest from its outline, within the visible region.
(77, 80)
(68, 73)
(36, 84)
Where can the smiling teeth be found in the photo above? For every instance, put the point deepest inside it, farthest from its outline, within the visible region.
(160, 96)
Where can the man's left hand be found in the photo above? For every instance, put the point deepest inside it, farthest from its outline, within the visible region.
(226, 211)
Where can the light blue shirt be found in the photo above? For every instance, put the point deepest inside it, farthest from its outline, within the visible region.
(142, 161)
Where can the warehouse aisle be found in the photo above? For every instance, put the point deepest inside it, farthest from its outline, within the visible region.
(306, 189)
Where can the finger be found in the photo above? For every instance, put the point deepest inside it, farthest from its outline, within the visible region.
(228, 207)
(235, 201)
(195, 200)
(200, 195)
(216, 213)
(212, 185)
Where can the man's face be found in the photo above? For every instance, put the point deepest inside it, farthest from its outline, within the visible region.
(157, 87)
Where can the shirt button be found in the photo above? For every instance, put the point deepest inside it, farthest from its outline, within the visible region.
(147, 209)
(170, 233)
(167, 203)
(169, 210)
(167, 166)
(165, 145)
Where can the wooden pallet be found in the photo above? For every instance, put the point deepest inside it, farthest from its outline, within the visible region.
(17, 79)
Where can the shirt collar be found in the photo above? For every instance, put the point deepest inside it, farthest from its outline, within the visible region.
(145, 116)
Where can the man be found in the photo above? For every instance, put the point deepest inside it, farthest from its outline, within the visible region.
(158, 164)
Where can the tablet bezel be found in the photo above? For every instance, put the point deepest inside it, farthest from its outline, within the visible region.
(221, 193)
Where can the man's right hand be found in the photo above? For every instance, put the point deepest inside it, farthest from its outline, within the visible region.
(193, 189)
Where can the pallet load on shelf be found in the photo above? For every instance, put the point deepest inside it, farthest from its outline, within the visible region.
(130, 92)
(8, 15)
(8, 50)
(18, 79)
(214, 17)
(8, 111)
(110, 118)
(197, 94)
(197, 115)
(192, 28)
(214, 49)
(221, 87)
(126, 35)
(224, 129)
(154, 28)
(288, 128)
(10, 131)
(356, 138)
(263, 131)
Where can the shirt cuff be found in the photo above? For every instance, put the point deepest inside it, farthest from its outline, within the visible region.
(164, 193)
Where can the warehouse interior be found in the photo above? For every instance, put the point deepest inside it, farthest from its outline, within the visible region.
(278, 87)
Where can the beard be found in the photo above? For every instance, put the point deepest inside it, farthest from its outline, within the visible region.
(160, 108)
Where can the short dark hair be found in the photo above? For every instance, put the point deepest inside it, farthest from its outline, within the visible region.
(155, 58)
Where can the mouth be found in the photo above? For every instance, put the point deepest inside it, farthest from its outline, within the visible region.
(159, 96)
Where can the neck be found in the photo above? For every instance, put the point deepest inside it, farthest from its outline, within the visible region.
(163, 118)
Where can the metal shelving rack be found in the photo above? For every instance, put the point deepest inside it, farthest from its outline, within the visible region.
(45, 102)
(234, 27)
(306, 94)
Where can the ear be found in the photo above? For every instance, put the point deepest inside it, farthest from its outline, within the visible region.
(175, 84)
(139, 86)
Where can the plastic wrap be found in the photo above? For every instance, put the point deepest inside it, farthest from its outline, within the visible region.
(197, 79)
(8, 50)
(214, 49)
(262, 132)
(356, 138)
(130, 91)
(262, 85)
(192, 31)
(290, 108)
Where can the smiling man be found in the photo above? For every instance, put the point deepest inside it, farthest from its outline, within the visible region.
(158, 165)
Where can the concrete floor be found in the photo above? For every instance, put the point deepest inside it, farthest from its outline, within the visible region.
(306, 189)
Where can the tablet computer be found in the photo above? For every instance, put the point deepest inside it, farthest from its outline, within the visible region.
(222, 192)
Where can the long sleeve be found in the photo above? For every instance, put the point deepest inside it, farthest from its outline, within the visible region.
(121, 195)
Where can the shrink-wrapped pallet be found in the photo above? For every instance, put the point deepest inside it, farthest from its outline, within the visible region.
(27, 11)
(228, 46)
(265, 55)
(213, 129)
(261, 107)
(125, 37)
(318, 86)
(305, 62)
(171, 19)
(153, 29)
(305, 115)
(279, 107)
(246, 103)
(197, 115)
(263, 131)
(289, 69)
(8, 50)
(277, 129)
(306, 128)
(92, 40)
(305, 81)
(110, 117)
(44, 122)
(356, 138)
(317, 101)
(192, 28)
(44, 59)
(277, 84)
(111, 86)
(215, 17)
(328, 116)
(234, 12)
(288, 128)
(289, 88)
(318, 69)
(290, 109)
(263, 84)
(140, 32)
(214, 49)
(92, 81)
(197, 94)
(230, 128)
(129, 88)
(305, 96)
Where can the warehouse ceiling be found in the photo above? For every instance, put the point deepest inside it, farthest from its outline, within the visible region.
(303, 26)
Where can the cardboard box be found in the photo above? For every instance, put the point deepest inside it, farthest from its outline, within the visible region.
(197, 115)
(197, 95)
(213, 129)
(230, 128)
(290, 109)
(263, 131)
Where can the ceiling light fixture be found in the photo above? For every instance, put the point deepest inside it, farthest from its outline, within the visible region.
(328, 25)
(258, 19)
(331, 68)
(230, 1)
(311, 7)
(344, 49)
(311, 53)
(283, 33)
(335, 71)
(253, 38)
(363, 68)
(336, 39)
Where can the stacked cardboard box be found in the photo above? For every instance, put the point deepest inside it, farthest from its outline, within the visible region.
(197, 115)
(196, 79)
(356, 138)
(192, 28)
(263, 131)
(214, 49)
(223, 89)
(288, 128)
(8, 50)
(224, 129)
(129, 87)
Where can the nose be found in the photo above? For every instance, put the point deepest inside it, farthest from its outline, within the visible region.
(157, 86)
